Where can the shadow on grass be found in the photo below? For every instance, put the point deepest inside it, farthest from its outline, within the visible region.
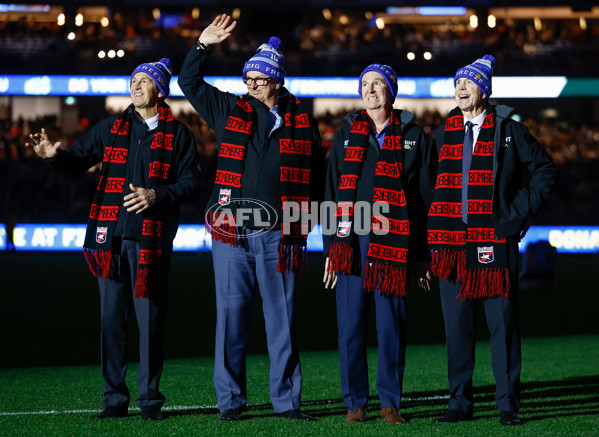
(576, 396)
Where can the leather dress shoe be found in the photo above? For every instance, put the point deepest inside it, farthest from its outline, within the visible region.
(151, 413)
(230, 414)
(453, 416)
(509, 418)
(295, 415)
(391, 415)
(111, 413)
(356, 415)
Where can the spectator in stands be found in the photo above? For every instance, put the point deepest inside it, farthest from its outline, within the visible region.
(149, 166)
(480, 210)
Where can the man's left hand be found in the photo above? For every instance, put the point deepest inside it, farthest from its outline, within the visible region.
(139, 199)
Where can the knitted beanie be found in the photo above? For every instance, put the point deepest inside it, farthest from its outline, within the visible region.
(480, 72)
(268, 60)
(160, 72)
(388, 74)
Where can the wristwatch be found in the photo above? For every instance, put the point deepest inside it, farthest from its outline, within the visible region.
(200, 45)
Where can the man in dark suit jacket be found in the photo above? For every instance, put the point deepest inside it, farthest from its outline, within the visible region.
(481, 208)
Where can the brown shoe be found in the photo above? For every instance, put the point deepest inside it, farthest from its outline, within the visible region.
(356, 415)
(391, 415)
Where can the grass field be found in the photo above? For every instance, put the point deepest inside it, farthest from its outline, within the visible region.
(560, 397)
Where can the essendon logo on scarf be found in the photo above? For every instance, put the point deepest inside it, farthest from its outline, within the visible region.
(392, 142)
(485, 254)
(446, 237)
(152, 228)
(386, 169)
(480, 206)
(162, 140)
(108, 213)
(301, 120)
(449, 180)
(231, 151)
(150, 256)
(348, 181)
(451, 151)
(388, 253)
(238, 125)
(354, 154)
(228, 178)
(101, 233)
(446, 209)
(360, 127)
(454, 123)
(345, 209)
(480, 177)
(113, 185)
(114, 154)
(343, 229)
(390, 196)
(483, 149)
(298, 147)
(387, 224)
(292, 174)
(159, 170)
(224, 196)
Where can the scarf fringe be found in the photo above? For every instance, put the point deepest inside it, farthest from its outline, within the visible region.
(485, 283)
(99, 262)
(224, 232)
(145, 280)
(446, 263)
(390, 279)
(341, 257)
(292, 258)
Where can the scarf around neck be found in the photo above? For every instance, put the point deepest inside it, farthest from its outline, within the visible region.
(108, 200)
(389, 235)
(468, 254)
(295, 147)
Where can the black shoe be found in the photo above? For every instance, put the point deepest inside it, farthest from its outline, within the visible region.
(230, 414)
(151, 413)
(453, 416)
(111, 413)
(509, 418)
(295, 415)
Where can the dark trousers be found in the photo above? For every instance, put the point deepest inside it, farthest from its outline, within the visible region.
(239, 273)
(502, 321)
(353, 309)
(115, 304)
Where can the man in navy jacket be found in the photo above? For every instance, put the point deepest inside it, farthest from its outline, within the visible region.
(492, 175)
(269, 157)
(149, 166)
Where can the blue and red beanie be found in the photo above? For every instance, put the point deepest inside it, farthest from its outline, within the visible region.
(388, 74)
(268, 60)
(160, 72)
(480, 72)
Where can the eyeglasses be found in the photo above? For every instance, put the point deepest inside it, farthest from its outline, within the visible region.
(259, 81)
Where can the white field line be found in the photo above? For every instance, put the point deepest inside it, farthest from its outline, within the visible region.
(196, 407)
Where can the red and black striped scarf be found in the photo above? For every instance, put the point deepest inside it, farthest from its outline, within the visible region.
(389, 235)
(295, 147)
(469, 254)
(109, 198)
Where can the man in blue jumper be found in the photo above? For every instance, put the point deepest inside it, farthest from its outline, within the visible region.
(269, 157)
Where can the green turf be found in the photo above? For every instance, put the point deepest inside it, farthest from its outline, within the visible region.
(560, 397)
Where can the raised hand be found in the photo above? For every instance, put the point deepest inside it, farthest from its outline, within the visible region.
(218, 31)
(42, 146)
